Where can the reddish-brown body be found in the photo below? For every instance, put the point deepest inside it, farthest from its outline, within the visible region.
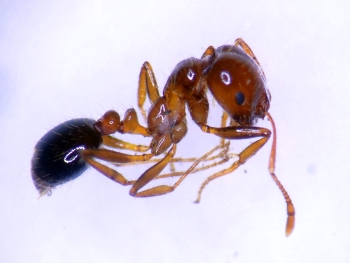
(236, 80)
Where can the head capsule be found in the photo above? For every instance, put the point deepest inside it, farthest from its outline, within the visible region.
(238, 84)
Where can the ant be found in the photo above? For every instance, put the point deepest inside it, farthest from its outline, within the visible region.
(236, 80)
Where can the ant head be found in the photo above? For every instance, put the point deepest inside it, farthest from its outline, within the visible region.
(238, 84)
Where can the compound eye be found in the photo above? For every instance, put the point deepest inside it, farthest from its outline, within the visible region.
(240, 98)
(191, 75)
(225, 78)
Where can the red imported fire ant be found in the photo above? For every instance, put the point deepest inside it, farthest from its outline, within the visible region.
(234, 77)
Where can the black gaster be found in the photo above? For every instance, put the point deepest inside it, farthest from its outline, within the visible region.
(56, 158)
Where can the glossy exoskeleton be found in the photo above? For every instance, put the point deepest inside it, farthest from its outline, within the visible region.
(237, 82)
(56, 158)
(66, 151)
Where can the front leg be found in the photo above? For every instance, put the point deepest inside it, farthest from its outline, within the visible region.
(237, 132)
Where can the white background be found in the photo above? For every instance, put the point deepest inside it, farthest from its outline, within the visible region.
(69, 59)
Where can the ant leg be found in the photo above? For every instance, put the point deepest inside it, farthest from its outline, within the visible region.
(108, 172)
(172, 166)
(251, 150)
(223, 155)
(236, 133)
(111, 156)
(241, 43)
(174, 160)
(150, 174)
(153, 173)
(119, 144)
(224, 118)
(147, 86)
(272, 161)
